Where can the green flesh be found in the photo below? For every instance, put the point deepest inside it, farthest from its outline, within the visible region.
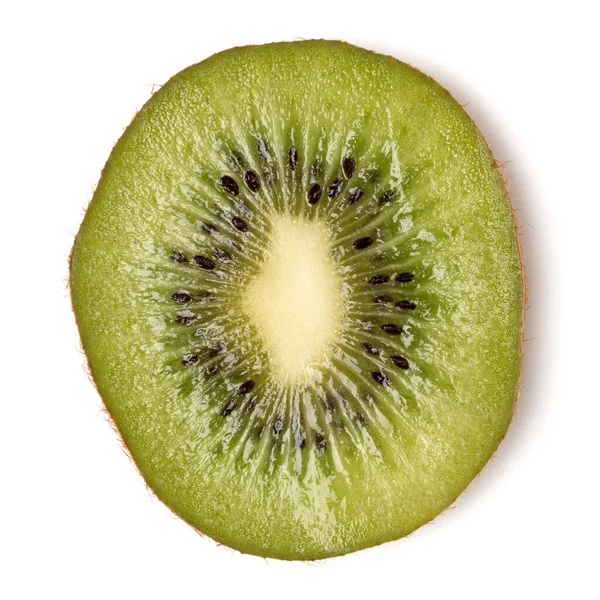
(336, 461)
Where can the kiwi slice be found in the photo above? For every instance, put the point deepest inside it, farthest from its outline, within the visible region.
(299, 289)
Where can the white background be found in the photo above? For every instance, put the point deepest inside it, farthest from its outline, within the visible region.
(75, 518)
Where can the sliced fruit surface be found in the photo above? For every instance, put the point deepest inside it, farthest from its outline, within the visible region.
(299, 289)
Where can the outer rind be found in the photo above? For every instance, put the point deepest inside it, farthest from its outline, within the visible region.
(281, 534)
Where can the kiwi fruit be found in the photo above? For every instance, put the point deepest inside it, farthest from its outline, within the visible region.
(298, 286)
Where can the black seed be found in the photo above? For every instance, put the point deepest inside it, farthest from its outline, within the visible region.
(300, 440)
(252, 180)
(245, 387)
(383, 300)
(209, 228)
(212, 370)
(190, 359)
(178, 256)
(263, 150)
(228, 408)
(186, 318)
(239, 224)
(214, 350)
(321, 443)
(355, 195)
(314, 194)
(404, 277)
(386, 197)
(204, 262)
(362, 243)
(315, 171)
(406, 304)
(377, 279)
(349, 166)
(278, 425)
(392, 328)
(292, 158)
(371, 349)
(334, 188)
(181, 297)
(379, 377)
(221, 254)
(230, 185)
(400, 361)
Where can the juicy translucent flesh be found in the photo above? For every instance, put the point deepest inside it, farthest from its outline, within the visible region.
(246, 390)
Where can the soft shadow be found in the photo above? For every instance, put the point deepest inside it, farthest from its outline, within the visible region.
(538, 250)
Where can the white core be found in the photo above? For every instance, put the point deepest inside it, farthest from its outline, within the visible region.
(296, 300)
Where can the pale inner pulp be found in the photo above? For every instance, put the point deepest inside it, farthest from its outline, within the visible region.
(296, 300)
